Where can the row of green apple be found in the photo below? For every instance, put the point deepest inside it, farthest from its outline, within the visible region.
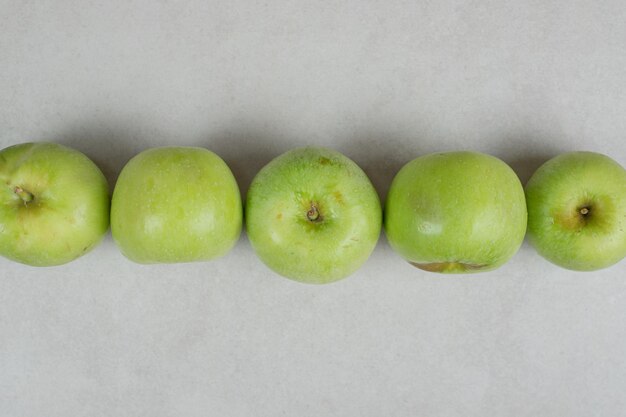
(312, 214)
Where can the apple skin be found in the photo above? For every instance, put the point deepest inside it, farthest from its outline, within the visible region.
(54, 204)
(577, 211)
(176, 204)
(456, 212)
(312, 215)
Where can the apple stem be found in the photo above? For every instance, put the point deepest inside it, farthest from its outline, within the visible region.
(313, 214)
(584, 211)
(26, 196)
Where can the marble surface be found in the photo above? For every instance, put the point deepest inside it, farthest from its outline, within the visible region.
(381, 81)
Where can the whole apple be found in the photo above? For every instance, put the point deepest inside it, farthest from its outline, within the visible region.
(456, 212)
(176, 204)
(54, 204)
(312, 215)
(577, 211)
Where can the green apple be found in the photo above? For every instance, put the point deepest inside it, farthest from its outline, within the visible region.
(456, 212)
(175, 204)
(577, 211)
(54, 204)
(312, 215)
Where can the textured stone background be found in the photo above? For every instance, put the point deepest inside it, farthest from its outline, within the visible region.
(381, 81)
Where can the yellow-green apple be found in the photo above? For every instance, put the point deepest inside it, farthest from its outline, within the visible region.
(54, 204)
(312, 215)
(577, 211)
(456, 212)
(176, 204)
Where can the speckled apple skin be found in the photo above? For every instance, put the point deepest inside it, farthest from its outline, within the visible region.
(556, 194)
(333, 246)
(456, 212)
(68, 214)
(176, 204)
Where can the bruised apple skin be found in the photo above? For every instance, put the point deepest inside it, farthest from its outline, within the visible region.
(312, 215)
(456, 212)
(577, 211)
(54, 204)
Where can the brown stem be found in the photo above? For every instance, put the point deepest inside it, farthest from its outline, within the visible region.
(313, 214)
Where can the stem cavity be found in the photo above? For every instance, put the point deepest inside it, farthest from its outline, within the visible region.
(26, 196)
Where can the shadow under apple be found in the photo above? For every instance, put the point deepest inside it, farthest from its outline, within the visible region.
(381, 156)
(246, 149)
(109, 145)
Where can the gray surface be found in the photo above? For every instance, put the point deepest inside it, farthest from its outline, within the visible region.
(382, 81)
